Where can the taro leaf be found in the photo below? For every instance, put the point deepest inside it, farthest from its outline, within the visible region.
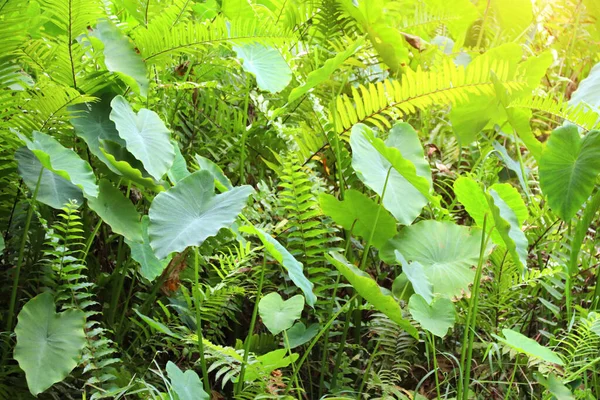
(151, 267)
(189, 213)
(187, 385)
(117, 211)
(568, 169)
(222, 183)
(366, 287)
(555, 386)
(415, 273)
(322, 74)
(266, 63)
(92, 124)
(62, 161)
(437, 317)
(300, 334)
(147, 137)
(507, 226)
(358, 213)
(513, 165)
(588, 89)
(120, 57)
(268, 363)
(402, 288)
(401, 156)
(179, 168)
(54, 190)
(279, 315)
(283, 257)
(447, 252)
(48, 344)
(527, 346)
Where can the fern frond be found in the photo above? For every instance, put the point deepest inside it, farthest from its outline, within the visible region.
(581, 347)
(580, 115)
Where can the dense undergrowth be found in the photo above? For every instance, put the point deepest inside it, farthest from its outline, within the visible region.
(299, 199)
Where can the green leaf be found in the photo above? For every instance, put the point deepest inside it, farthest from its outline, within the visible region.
(507, 226)
(322, 74)
(158, 326)
(556, 387)
(415, 273)
(221, 181)
(279, 315)
(62, 161)
(529, 347)
(151, 266)
(147, 137)
(92, 124)
(189, 213)
(358, 213)
(300, 334)
(54, 190)
(187, 385)
(266, 63)
(121, 58)
(283, 257)
(117, 211)
(2, 245)
(179, 168)
(371, 291)
(127, 166)
(437, 317)
(48, 344)
(401, 156)
(587, 90)
(447, 252)
(568, 169)
(402, 287)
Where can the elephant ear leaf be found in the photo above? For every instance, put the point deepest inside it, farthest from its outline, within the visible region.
(190, 212)
(186, 384)
(272, 72)
(48, 344)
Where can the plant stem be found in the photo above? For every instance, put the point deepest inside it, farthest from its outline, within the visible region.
(240, 383)
(368, 368)
(512, 378)
(435, 364)
(199, 322)
(286, 341)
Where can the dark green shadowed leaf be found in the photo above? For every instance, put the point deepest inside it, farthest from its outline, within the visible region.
(151, 267)
(300, 334)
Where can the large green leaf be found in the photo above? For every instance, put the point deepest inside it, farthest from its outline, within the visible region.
(266, 63)
(221, 181)
(279, 315)
(187, 385)
(92, 124)
(48, 344)
(54, 190)
(300, 334)
(366, 286)
(415, 273)
(117, 211)
(62, 161)
(189, 213)
(447, 252)
(147, 137)
(121, 58)
(401, 156)
(151, 266)
(588, 89)
(568, 169)
(437, 317)
(285, 258)
(358, 213)
(529, 347)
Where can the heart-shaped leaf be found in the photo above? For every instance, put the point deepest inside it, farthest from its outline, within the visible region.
(300, 334)
(366, 286)
(530, 347)
(189, 213)
(358, 214)
(186, 384)
(48, 344)
(151, 266)
(279, 315)
(568, 169)
(437, 317)
(266, 63)
(147, 137)
(54, 190)
(62, 161)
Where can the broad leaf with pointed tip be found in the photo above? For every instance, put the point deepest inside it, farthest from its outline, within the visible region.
(568, 169)
(48, 344)
(190, 212)
(529, 347)
(366, 287)
(126, 165)
(147, 137)
(221, 181)
(54, 190)
(400, 161)
(151, 266)
(437, 317)
(62, 161)
(447, 252)
(272, 72)
(588, 89)
(285, 258)
(187, 385)
(117, 211)
(179, 168)
(279, 315)
(300, 334)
